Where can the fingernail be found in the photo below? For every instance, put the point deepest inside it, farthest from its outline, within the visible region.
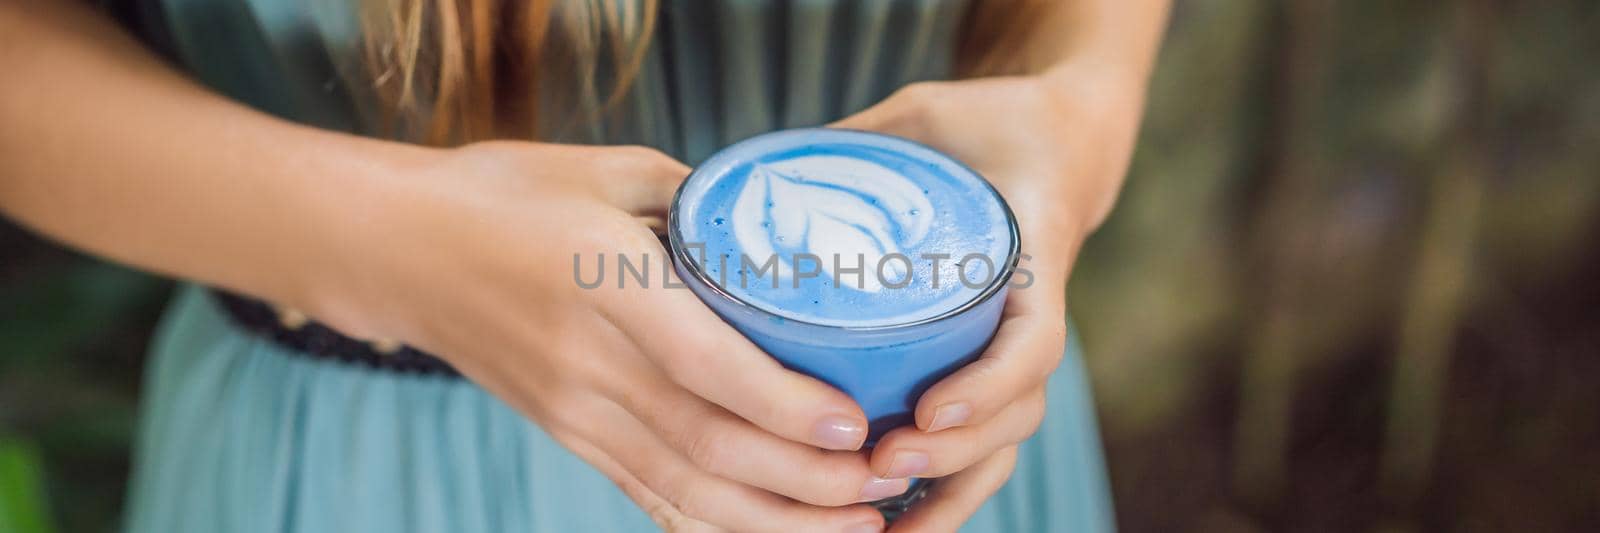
(879, 488)
(950, 415)
(839, 433)
(906, 464)
(864, 527)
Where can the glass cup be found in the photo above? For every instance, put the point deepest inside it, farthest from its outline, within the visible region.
(884, 365)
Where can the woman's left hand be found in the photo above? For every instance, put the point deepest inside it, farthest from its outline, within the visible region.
(1056, 147)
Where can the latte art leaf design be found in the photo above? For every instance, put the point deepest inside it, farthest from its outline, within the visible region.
(831, 207)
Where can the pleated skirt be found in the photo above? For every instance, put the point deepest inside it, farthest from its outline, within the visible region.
(241, 435)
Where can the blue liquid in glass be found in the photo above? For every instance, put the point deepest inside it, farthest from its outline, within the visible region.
(873, 263)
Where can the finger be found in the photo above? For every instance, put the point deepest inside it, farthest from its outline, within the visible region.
(909, 452)
(562, 420)
(705, 497)
(723, 444)
(698, 351)
(648, 179)
(952, 500)
(657, 225)
(663, 514)
(1027, 347)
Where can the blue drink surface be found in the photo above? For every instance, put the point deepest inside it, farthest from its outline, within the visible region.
(871, 262)
(862, 230)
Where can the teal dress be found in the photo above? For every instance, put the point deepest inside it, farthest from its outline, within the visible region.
(240, 434)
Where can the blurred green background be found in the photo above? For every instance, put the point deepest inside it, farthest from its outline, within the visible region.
(1353, 284)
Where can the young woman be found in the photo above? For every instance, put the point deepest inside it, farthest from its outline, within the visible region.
(422, 171)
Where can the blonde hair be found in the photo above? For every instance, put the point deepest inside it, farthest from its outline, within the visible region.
(447, 72)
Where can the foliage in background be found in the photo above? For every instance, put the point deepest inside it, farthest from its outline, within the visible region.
(22, 508)
(1351, 286)
(72, 340)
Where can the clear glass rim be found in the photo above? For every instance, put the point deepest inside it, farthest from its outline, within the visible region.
(680, 252)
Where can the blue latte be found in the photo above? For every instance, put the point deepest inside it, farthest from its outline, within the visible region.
(873, 263)
(844, 228)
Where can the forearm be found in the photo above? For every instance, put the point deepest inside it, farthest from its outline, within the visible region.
(1113, 40)
(1100, 55)
(105, 149)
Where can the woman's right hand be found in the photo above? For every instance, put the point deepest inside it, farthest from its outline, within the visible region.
(464, 252)
(472, 256)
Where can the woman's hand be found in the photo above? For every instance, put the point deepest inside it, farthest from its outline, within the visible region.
(473, 257)
(1056, 148)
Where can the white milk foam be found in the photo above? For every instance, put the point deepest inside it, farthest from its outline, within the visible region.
(849, 200)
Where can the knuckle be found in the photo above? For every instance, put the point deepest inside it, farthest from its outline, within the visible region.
(668, 518)
(1057, 332)
(685, 357)
(662, 513)
(638, 153)
(953, 455)
(686, 364)
(921, 94)
(938, 470)
(1035, 418)
(641, 404)
(693, 362)
(650, 161)
(624, 160)
(679, 496)
(603, 234)
(980, 371)
(565, 409)
(1050, 359)
(773, 413)
(945, 466)
(1008, 459)
(1038, 400)
(708, 449)
(582, 365)
(837, 486)
(636, 237)
(690, 506)
(669, 169)
(921, 102)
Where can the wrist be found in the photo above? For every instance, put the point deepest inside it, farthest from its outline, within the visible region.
(1107, 94)
(340, 225)
(1105, 109)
